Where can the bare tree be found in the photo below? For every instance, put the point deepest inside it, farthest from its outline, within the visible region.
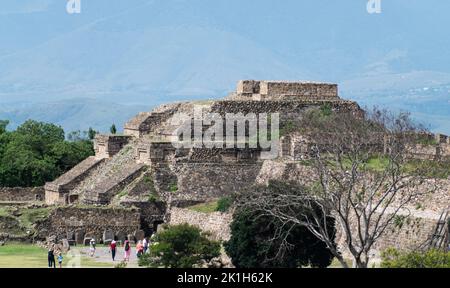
(360, 177)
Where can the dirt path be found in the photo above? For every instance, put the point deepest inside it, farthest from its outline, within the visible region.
(103, 255)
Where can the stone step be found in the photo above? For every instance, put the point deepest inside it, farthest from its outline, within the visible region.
(104, 191)
(74, 176)
(106, 170)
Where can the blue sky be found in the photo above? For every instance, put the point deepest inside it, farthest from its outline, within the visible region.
(148, 52)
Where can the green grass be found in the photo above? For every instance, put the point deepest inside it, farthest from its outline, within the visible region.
(22, 256)
(429, 168)
(16, 255)
(208, 207)
(427, 141)
(4, 211)
(27, 216)
(153, 198)
(337, 264)
(30, 216)
(122, 194)
(377, 164)
(173, 188)
(307, 163)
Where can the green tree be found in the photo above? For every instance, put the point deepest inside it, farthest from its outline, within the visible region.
(76, 136)
(68, 154)
(3, 125)
(37, 152)
(180, 246)
(47, 131)
(254, 243)
(21, 165)
(113, 129)
(91, 133)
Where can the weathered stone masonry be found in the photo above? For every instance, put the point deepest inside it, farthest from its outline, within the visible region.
(217, 223)
(19, 194)
(129, 170)
(77, 223)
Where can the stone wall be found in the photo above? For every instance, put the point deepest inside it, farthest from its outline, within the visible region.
(423, 212)
(206, 181)
(77, 223)
(151, 214)
(148, 122)
(409, 231)
(437, 151)
(217, 223)
(435, 196)
(289, 110)
(106, 146)
(20, 194)
(148, 152)
(286, 91)
(434, 152)
(289, 171)
(273, 89)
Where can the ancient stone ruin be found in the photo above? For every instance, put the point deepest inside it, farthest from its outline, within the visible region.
(146, 152)
(137, 180)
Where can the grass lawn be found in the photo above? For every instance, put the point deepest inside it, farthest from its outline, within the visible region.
(30, 256)
(4, 211)
(22, 256)
(337, 264)
(209, 207)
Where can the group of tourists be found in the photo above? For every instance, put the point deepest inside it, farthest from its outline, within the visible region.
(52, 253)
(142, 247)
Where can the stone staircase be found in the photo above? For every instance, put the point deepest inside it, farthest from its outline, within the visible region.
(73, 177)
(109, 177)
(105, 190)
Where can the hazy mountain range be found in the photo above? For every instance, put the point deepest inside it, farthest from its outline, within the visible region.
(117, 58)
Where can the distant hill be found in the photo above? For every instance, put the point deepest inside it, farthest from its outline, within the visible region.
(425, 94)
(154, 51)
(72, 114)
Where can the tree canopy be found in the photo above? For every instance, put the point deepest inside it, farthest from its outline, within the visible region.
(37, 152)
(180, 246)
(261, 240)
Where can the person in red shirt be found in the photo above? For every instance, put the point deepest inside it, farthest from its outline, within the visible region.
(139, 249)
(112, 248)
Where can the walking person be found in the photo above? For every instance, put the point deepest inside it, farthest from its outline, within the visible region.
(60, 259)
(51, 257)
(139, 249)
(127, 249)
(112, 248)
(145, 244)
(151, 241)
(92, 245)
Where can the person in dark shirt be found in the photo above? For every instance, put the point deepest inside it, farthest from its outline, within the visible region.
(51, 258)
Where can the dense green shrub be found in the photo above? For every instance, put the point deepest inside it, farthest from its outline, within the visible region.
(180, 246)
(392, 258)
(250, 245)
(224, 204)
